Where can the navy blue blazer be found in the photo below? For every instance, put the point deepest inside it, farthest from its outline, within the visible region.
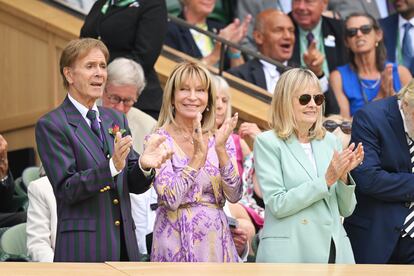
(385, 184)
(389, 27)
(251, 71)
(336, 56)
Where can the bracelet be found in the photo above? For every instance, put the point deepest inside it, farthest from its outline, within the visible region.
(234, 55)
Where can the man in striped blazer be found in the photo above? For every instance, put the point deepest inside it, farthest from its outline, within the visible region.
(90, 163)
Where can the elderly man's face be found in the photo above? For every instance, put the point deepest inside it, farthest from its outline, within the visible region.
(277, 38)
(87, 77)
(307, 13)
(119, 97)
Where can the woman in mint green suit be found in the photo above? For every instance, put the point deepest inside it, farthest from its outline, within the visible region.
(304, 177)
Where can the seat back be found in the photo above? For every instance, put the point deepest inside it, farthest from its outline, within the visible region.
(13, 241)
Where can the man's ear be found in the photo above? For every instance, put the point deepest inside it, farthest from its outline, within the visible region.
(258, 37)
(67, 72)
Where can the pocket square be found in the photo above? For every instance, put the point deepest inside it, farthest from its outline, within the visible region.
(329, 41)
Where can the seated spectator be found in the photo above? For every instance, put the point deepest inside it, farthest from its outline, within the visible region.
(274, 35)
(124, 85)
(399, 34)
(198, 45)
(9, 215)
(41, 220)
(367, 77)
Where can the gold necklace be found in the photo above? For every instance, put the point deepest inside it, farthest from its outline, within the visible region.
(186, 137)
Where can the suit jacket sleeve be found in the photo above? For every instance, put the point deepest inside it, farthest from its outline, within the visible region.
(269, 168)
(39, 234)
(150, 34)
(371, 178)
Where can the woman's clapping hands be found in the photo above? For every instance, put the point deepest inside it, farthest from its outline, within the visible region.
(342, 163)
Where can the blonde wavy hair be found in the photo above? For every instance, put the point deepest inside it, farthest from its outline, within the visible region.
(179, 76)
(283, 120)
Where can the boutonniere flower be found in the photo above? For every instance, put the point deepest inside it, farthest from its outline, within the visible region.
(115, 129)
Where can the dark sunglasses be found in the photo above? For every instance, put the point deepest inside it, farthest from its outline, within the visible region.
(365, 29)
(345, 126)
(304, 99)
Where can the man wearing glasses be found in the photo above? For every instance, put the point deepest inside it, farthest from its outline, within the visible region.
(124, 86)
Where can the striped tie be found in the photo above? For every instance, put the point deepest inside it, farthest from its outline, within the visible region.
(408, 227)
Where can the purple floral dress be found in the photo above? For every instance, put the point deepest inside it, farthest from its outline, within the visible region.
(191, 225)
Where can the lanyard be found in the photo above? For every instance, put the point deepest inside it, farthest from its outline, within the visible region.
(121, 3)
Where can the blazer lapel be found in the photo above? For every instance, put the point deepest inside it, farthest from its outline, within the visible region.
(82, 131)
(397, 124)
(258, 74)
(107, 123)
(298, 152)
(330, 52)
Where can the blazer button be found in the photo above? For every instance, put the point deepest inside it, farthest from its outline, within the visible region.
(117, 223)
(99, 37)
(102, 190)
(115, 201)
(304, 221)
(108, 156)
(407, 204)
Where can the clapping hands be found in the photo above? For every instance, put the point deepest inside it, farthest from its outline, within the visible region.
(155, 153)
(342, 163)
(223, 133)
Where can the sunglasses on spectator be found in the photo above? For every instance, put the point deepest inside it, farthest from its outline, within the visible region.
(345, 126)
(116, 100)
(304, 99)
(365, 29)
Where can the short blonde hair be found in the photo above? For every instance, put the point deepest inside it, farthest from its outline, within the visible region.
(223, 87)
(179, 76)
(77, 49)
(282, 114)
(406, 93)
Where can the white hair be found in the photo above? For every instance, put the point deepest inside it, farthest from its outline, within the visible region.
(124, 71)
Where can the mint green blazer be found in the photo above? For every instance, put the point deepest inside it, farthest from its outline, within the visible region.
(301, 213)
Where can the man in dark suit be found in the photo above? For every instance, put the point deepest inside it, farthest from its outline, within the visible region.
(396, 34)
(8, 214)
(90, 165)
(319, 39)
(381, 228)
(274, 37)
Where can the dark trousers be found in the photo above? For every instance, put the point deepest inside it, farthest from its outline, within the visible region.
(403, 252)
(11, 219)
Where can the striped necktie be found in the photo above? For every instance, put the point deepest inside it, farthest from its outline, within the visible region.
(408, 226)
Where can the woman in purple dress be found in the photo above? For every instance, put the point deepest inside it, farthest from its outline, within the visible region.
(193, 186)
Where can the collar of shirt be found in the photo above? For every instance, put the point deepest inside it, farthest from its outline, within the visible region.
(401, 22)
(83, 110)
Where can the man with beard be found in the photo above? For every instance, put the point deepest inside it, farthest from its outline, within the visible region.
(399, 34)
(381, 228)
